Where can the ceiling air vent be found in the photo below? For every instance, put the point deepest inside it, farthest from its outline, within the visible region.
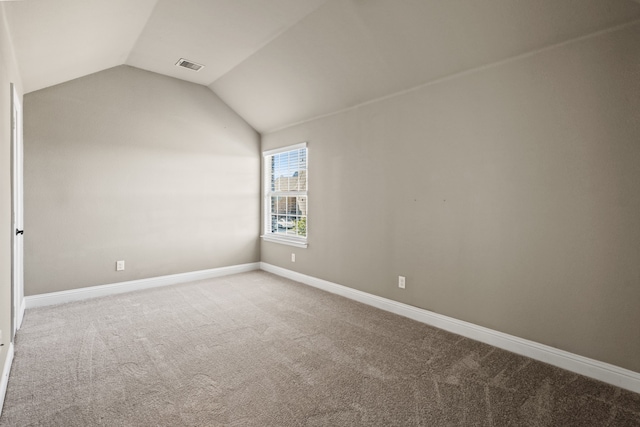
(189, 64)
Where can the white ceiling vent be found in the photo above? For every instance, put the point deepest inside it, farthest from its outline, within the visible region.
(189, 64)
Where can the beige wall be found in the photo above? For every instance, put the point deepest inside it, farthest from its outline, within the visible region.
(130, 165)
(8, 74)
(508, 197)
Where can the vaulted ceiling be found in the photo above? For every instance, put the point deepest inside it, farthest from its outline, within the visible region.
(277, 62)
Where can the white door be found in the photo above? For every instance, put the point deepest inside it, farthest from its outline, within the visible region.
(17, 289)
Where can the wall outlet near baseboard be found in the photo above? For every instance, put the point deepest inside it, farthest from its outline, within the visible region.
(293, 257)
(401, 282)
(119, 265)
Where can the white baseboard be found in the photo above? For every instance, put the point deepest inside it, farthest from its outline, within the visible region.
(601, 371)
(134, 285)
(4, 380)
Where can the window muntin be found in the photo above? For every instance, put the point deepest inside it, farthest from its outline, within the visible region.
(286, 200)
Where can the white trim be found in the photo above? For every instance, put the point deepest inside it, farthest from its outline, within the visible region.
(601, 371)
(4, 380)
(134, 285)
(23, 306)
(274, 238)
(283, 149)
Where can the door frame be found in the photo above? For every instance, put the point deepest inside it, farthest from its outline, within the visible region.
(17, 214)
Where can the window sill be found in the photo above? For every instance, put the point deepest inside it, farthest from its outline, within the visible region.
(298, 243)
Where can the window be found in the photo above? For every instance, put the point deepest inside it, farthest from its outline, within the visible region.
(285, 195)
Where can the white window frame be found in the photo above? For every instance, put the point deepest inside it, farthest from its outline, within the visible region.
(268, 235)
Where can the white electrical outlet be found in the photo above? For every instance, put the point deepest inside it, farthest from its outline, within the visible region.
(401, 282)
(293, 257)
(119, 265)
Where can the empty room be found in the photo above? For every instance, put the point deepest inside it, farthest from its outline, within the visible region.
(320, 213)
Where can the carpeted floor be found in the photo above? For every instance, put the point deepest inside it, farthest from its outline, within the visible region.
(258, 350)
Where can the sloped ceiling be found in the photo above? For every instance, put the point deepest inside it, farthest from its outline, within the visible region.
(218, 33)
(60, 40)
(278, 62)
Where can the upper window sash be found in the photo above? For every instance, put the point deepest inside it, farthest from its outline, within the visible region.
(283, 149)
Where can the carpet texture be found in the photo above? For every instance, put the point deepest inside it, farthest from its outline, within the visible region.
(255, 349)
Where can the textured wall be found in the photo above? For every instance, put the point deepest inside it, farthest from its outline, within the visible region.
(130, 165)
(507, 196)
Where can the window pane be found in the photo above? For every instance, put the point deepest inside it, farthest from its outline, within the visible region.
(289, 215)
(288, 171)
(279, 205)
(294, 206)
(284, 224)
(301, 226)
(291, 226)
(301, 204)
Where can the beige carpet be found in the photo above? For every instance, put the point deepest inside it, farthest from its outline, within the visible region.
(258, 350)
